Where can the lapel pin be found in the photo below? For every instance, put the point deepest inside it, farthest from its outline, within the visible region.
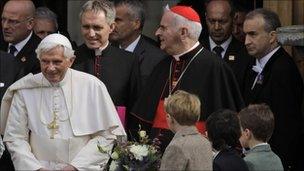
(23, 59)
(260, 79)
(231, 58)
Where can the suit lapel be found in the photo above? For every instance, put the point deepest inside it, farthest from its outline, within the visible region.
(206, 44)
(265, 74)
(231, 54)
(4, 47)
(26, 50)
(140, 49)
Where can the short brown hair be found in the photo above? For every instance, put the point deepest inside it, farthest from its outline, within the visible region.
(259, 119)
(184, 107)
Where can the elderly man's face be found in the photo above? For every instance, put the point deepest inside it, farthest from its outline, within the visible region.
(16, 22)
(54, 65)
(125, 25)
(95, 29)
(168, 34)
(219, 21)
(44, 27)
(257, 40)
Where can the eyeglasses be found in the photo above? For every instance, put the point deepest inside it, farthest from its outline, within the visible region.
(14, 23)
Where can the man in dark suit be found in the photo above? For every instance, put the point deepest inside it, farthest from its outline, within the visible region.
(20, 41)
(8, 75)
(117, 68)
(8, 71)
(130, 18)
(219, 19)
(274, 79)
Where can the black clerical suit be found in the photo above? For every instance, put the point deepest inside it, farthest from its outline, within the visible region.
(281, 87)
(207, 76)
(119, 72)
(26, 57)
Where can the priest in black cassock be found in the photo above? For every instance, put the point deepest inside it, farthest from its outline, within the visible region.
(116, 68)
(189, 67)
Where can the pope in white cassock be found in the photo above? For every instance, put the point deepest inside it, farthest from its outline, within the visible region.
(55, 119)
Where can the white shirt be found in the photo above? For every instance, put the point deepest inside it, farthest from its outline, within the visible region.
(86, 117)
(223, 45)
(260, 64)
(132, 46)
(20, 45)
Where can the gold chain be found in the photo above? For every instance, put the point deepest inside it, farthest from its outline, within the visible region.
(171, 88)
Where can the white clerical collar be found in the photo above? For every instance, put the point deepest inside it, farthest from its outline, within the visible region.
(65, 79)
(181, 54)
(132, 46)
(224, 45)
(21, 44)
(99, 50)
(263, 61)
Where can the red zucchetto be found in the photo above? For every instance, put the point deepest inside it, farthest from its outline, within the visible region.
(186, 12)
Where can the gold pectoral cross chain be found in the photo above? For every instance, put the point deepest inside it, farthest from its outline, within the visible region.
(53, 126)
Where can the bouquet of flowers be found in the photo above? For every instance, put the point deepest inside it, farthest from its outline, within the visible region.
(135, 155)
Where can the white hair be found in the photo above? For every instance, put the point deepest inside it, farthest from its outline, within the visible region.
(47, 46)
(194, 28)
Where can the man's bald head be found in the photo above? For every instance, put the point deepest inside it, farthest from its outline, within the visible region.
(17, 20)
(221, 5)
(24, 7)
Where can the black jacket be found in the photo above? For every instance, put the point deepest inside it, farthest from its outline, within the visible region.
(281, 87)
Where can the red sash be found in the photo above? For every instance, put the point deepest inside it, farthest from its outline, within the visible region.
(160, 120)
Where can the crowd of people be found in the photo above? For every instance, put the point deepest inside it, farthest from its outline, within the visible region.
(228, 101)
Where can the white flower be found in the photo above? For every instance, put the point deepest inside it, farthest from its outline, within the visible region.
(113, 165)
(142, 134)
(114, 155)
(139, 151)
(153, 150)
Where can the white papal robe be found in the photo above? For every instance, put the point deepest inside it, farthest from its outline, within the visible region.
(1, 147)
(86, 117)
